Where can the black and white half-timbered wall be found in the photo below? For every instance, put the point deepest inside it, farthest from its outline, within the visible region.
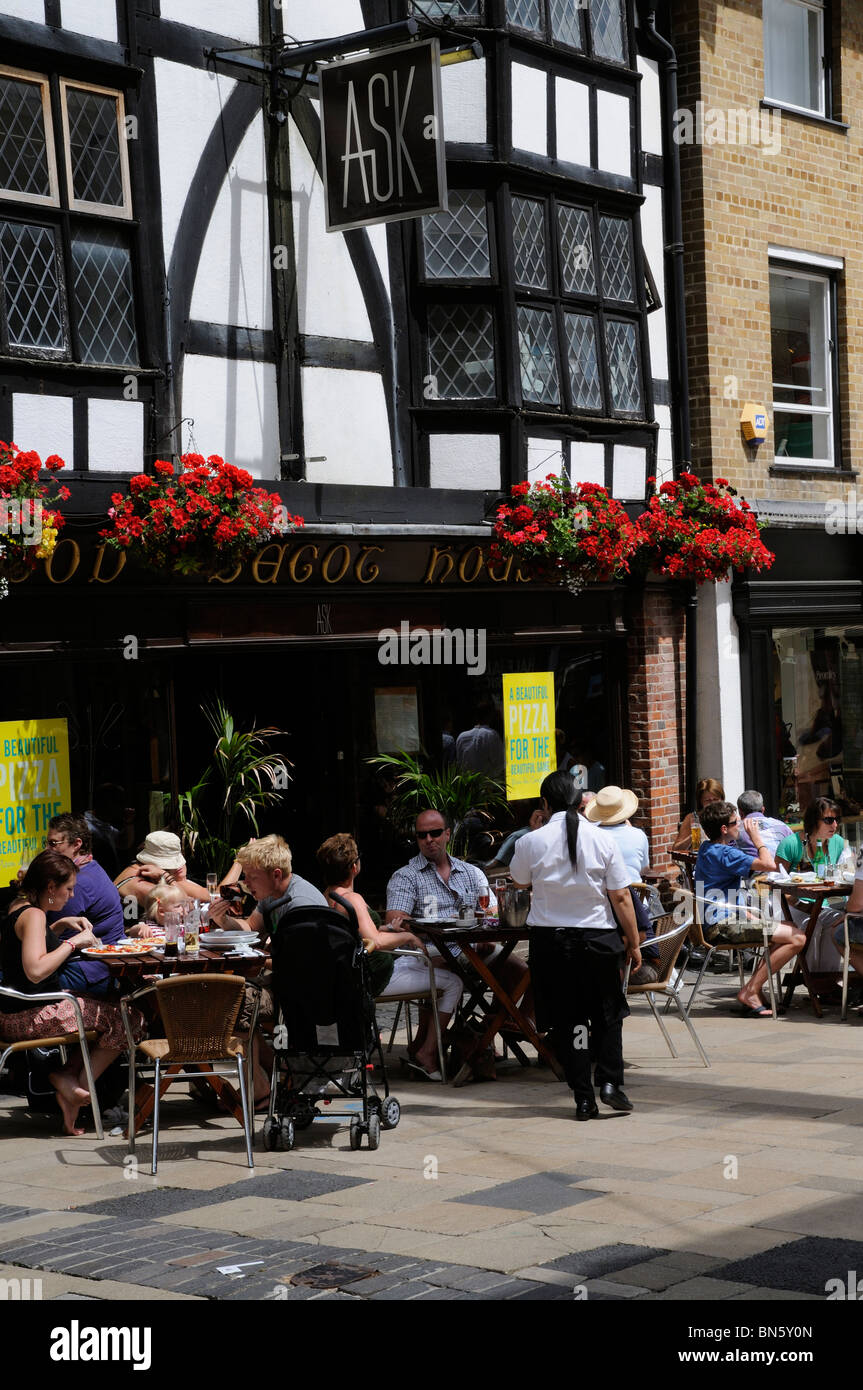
(167, 283)
(167, 277)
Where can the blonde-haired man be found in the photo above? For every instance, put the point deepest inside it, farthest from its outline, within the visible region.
(266, 868)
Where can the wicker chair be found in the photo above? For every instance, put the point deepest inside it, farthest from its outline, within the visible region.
(199, 1013)
(61, 1040)
(668, 941)
(429, 996)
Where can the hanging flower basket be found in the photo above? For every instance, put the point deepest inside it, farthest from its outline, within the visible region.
(206, 519)
(572, 533)
(29, 519)
(700, 531)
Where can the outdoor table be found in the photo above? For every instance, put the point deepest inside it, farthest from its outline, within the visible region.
(444, 935)
(215, 962)
(813, 980)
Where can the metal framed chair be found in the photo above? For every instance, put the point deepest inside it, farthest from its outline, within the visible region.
(846, 969)
(701, 943)
(61, 1040)
(668, 942)
(429, 996)
(200, 1015)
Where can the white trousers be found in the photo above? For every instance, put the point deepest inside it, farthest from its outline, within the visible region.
(411, 973)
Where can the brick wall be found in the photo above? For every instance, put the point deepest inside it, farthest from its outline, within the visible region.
(656, 718)
(740, 199)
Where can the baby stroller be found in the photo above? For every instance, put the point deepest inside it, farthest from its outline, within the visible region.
(326, 1032)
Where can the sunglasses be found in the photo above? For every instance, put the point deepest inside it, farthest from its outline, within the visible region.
(429, 834)
(830, 820)
(55, 844)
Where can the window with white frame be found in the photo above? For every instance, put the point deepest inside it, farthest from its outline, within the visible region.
(795, 55)
(801, 340)
(66, 271)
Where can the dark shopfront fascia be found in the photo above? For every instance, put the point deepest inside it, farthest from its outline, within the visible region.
(292, 641)
(801, 648)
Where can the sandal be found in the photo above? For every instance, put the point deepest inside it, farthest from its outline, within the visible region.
(755, 1013)
(416, 1070)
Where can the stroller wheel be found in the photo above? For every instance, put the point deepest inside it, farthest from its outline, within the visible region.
(286, 1135)
(374, 1130)
(390, 1112)
(356, 1132)
(271, 1134)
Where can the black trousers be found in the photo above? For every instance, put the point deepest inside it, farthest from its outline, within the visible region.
(580, 1001)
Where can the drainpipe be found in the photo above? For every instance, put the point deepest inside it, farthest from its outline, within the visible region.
(659, 47)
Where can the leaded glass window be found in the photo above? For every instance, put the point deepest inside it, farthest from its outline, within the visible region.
(528, 238)
(32, 290)
(102, 277)
(615, 242)
(95, 154)
(624, 373)
(526, 14)
(565, 16)
(446, 11)
(461, 353)
(607, 32)
(585, 380)
(576, 250)
(538, 356)
(27, 171)
(456, 242)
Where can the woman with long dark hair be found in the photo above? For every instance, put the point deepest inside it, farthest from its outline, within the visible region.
(32, 961)
(580, 886)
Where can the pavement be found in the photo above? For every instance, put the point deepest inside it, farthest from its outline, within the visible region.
(736, 1183)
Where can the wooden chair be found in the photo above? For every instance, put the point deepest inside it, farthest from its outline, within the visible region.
(200, 1014)
(429, 996)
(668, 941)
(62, 1040)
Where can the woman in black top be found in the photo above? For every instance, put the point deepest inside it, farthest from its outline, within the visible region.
(32, 962)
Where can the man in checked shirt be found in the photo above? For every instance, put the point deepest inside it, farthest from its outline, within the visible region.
(434, 884)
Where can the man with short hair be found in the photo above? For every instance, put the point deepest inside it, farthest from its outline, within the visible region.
(95, 898)
(773, 831)
(266, 867)
(434, 884)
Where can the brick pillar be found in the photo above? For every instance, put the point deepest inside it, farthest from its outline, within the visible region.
(656, 659)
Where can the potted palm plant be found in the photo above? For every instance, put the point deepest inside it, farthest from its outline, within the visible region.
(456, 792)
(244, 778)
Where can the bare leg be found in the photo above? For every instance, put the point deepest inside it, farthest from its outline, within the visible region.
(425, 1041)
(787, 943)
(71, 1095)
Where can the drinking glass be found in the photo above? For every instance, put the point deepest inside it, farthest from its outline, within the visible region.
(192, 929)
(213, 886)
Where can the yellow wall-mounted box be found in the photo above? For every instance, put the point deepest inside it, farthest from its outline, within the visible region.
(754, 421)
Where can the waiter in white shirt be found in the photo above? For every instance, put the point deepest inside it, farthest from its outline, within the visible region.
(580, 885)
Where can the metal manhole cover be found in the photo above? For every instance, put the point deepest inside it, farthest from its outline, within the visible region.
(332, 1276)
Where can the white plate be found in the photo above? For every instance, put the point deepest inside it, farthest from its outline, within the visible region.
(226, 941)
(116, 955)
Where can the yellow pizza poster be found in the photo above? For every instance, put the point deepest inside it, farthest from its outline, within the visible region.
(34, 786)
(528, 728)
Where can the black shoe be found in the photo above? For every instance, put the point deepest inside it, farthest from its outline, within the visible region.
(615, 1097)
(586, 1110)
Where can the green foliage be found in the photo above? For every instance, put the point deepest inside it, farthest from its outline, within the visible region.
(454, 791)
(221, 810)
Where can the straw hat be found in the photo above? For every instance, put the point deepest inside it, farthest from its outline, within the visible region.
(612, 806)
(163, 849)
